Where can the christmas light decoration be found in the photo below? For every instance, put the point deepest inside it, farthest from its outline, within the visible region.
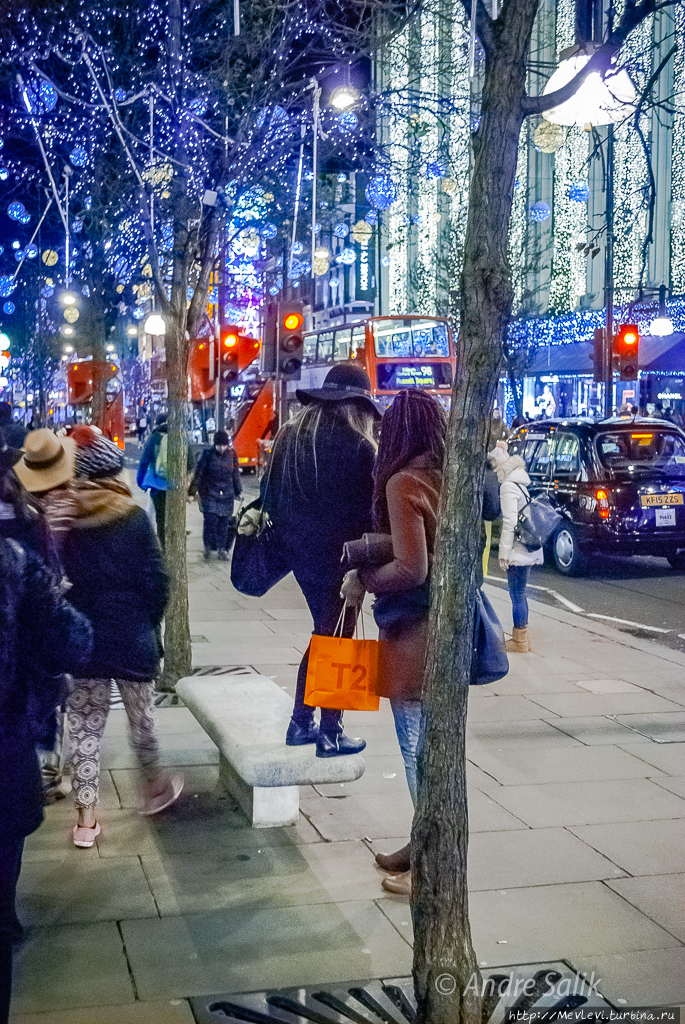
(540, 212)
(435, 169)
(381, 191)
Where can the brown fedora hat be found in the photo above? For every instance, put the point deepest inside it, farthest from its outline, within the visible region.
(47, 462)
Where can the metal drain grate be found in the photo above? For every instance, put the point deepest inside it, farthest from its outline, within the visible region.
(553, 986)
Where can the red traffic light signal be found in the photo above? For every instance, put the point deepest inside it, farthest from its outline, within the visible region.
(626, 350)
(290, 340)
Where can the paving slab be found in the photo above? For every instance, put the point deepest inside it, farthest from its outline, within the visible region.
(168, 721)
(503, 709)
(525, 857)
(172, 1011)
(558, 921)
(53, 893)
(222, 654)
(69, 967)
(384, 773)
(198, 779)
(598, 729)
(527, 734)
(676, 784)
(589, 803)
(577, 705)
(607, 686)
(659, 897)
(175, 749)
(661, 727)
(640, 847)
(649, 978)
(513, 766)
(669, 758)
(54, 840)
(356, 817)
(242, 950)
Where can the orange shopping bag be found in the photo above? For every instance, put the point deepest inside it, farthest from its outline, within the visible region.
(342, 673)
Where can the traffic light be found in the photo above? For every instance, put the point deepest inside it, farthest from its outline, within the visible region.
(598, 357)
(626, 348)
(290, 340)
(228, 353)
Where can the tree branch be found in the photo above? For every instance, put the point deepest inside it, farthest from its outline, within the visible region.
(484, 25)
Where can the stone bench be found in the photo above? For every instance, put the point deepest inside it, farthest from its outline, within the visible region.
(247, 716)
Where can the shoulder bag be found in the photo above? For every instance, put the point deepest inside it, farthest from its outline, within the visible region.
(489, 661)
(258, 560)
(537, 521)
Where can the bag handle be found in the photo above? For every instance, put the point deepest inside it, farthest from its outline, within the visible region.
(341, 620)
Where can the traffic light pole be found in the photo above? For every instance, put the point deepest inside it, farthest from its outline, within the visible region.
(609, 277)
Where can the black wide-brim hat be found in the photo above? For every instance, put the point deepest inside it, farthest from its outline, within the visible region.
(342, 383)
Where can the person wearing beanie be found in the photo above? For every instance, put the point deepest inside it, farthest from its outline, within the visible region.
(217, 483)
(113, 561)
(514, 558)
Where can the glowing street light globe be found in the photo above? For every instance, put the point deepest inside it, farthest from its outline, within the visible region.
(661, 327)
(599, 100)
(155, 324)
(343, 97)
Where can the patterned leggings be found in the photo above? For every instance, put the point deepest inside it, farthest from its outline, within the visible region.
(87, 711)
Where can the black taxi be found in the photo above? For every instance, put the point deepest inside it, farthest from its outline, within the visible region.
(619, 483)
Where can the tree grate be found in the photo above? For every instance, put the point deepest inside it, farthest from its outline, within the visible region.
(554, 986)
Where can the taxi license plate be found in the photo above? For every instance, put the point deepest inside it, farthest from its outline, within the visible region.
(673, 498)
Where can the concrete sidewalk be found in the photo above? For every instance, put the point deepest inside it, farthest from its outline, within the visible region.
(577, 809)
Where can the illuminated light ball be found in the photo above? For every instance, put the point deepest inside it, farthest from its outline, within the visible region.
(347, 122)
(71, 314)
(47, 291)
(49, 257)
(138, 313)
(2, 249)
(579, 192)
(385, 261)
(4, 174)
(25, 219)
(189, 293)
(78, 156)
(475, 123)
(347, 256)
(417, 219)
(341, 230)
(540, 212)
(342, 177)
(548, 138)
(16, 210)
(517, 185)
(296, 284)
(39, 96)
(2, 143)
(449, 186)
(120, 95)
(435, 169)
(362, 232)
(9, 308)
(16, 244)
(381, 191)
(119, 289)
(274, 289)
(333, 283)
(77, 226)
(199, 107)
(320, 266)
(269, 230)
(371, 217)
(19, 255)
(309, 176)
(322, 253)
(317, 229)
(31, 251)
(298, 248)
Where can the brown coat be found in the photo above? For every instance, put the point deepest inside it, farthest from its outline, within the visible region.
(413, 496)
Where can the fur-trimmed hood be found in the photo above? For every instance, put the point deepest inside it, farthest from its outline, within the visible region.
(505, 464)
(99, 502)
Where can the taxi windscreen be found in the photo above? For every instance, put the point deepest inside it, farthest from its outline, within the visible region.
(642, 447)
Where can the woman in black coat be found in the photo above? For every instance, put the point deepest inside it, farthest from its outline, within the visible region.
(318, 496)
(41, 637)
(217, 481)
(113, 561)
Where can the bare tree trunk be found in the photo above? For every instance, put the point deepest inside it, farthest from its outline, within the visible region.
(177, 649)
(446, 975)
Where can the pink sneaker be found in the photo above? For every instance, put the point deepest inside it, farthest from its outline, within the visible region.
(85, 837)
(168, 796)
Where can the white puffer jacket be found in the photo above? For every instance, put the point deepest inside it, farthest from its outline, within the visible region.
(511, 472)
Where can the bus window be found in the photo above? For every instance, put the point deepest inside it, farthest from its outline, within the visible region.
(309, 348)
(404, 338)
(430, 339)
(342, 344)
(325, 353)
(441, 345)
(358, 339)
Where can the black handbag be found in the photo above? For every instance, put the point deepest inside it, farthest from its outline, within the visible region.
(258, 560)
(537, 521)
(489, 660)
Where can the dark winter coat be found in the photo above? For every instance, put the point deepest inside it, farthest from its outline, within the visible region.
(112, 558)
(320, 504)
(217, 481)
(41, 637)
(12, 433)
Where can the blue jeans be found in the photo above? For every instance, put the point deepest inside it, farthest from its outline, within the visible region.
(407, 714)
(517, 575)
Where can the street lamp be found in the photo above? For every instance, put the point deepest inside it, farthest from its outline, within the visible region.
(68, 331)
(68, 349)
(67, 299)
(132, 332)
(662, 325)
(599, 100)
(343, 97)
(155, 324)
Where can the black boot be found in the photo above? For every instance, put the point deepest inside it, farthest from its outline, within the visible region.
(298, 735)
(337, 744)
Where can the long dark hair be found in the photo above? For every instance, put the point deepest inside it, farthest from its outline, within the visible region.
(415, 424)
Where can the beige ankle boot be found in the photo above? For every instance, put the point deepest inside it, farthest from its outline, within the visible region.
(519, 643)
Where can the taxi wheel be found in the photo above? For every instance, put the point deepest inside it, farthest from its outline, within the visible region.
(677, 560)
(568, 557)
